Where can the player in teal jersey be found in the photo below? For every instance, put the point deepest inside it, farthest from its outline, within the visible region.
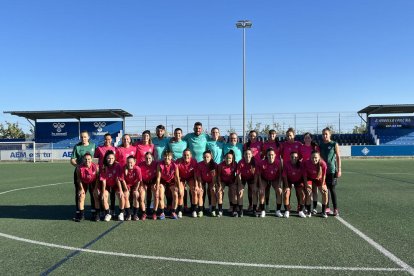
(330, 154)
(76, 159)
(177, 145)
(233, 145)
(160, 142)
(197, 141)
(215, 145)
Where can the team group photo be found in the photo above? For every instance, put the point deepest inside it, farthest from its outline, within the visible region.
(206, 137)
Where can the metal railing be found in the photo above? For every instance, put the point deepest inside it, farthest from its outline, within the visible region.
(340, 122)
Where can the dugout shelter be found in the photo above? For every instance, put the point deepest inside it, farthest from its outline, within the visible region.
(63, 127)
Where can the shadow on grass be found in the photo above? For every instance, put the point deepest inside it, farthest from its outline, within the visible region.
(45, 212)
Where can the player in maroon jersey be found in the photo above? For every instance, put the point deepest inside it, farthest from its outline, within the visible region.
(131, 179)
(109, 177)
(246, 174)
(270, 171)
(87, 177)
(167, 178)
(314, 174)
(149, 180)
(187, 166)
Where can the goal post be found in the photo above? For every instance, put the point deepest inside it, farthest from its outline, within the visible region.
(26, 151)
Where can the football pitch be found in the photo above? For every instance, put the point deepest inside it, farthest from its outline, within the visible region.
(374, 234)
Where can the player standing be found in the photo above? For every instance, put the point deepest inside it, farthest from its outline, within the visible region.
(160, 142)
(144, 146)
(76, 159)
(331, 155)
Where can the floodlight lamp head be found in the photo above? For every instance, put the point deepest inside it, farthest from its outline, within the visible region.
(244, 24)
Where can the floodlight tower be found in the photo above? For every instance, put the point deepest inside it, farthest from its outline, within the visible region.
(244, 24)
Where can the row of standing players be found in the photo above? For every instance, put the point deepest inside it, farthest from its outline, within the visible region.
(205, 165)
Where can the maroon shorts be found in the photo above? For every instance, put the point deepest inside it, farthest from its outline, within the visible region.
(315, 182)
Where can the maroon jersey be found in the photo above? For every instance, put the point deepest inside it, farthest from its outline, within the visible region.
(122, 154)
(88, 175)
(288, 148)
(311, 170)
(246, 171)
(111, 174)
(205, 173)
(186, 170)
(148, 172)
(167, 172)
(292, 172)
(305, 151)
(142, 150)
(270, 171)
(100, 153)
(227, 172)
(271, 144)
(132, 176)
(256, 148)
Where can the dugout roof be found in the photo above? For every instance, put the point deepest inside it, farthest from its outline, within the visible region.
(71, 114)
(387, 109)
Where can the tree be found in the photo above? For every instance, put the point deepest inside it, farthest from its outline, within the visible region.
(362, 128)
(12, 131)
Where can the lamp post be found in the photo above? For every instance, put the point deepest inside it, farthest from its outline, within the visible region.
(243, 24)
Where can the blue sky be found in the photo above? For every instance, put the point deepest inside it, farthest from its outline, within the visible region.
(185, 57)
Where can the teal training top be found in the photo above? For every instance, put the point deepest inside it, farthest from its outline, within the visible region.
(197, 144)
(238, 150)
(177, 148)
(159, 147)
(216, 148)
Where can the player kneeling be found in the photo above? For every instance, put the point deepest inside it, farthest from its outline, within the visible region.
(131, 179)
(314, 174)
(110, 175)
(292, 175)
(186, 168)
(206, 177)
(167, 178)
(246, 173)
(87, 176)
(270, 173)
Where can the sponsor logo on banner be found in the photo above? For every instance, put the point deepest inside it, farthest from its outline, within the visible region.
(59, 127)
(99, 127)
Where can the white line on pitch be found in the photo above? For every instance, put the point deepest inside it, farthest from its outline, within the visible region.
(377, 246)
(200, 261)
(33, 187)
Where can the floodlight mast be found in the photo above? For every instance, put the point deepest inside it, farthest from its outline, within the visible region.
(244, 24)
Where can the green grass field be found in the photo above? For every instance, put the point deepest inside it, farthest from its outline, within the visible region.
(37, 235)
